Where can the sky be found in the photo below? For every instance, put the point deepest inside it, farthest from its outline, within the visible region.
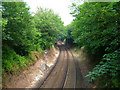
(59, 7)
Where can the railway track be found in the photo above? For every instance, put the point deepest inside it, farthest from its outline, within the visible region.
(70, 81)
(67, 70)
(65, 73)
(74, 77)
(57, 75)
(80, 83)
(42, 82)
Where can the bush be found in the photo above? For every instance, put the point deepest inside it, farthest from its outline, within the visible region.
(110, 66)
(11, 61)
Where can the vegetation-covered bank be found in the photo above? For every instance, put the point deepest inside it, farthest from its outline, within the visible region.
(97, 27)
(29, 78)
(24, 35)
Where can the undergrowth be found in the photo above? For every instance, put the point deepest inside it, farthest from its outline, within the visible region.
(13, 63)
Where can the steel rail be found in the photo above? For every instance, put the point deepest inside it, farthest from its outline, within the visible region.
(42, 82)
(66, 71)
(77, 68)
(52, 70)
(62, 63)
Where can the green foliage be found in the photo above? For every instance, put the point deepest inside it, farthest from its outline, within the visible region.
(25, 36)
(109, 65)
(68, 29)
(12, 61)
(96, 26)
(50, 26)
(17, 30)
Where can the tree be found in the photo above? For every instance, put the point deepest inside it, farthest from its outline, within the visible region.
(49, 25)
(97, 28)
(18, 34)
(17, 30)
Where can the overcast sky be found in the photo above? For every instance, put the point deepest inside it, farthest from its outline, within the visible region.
(59, 6)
